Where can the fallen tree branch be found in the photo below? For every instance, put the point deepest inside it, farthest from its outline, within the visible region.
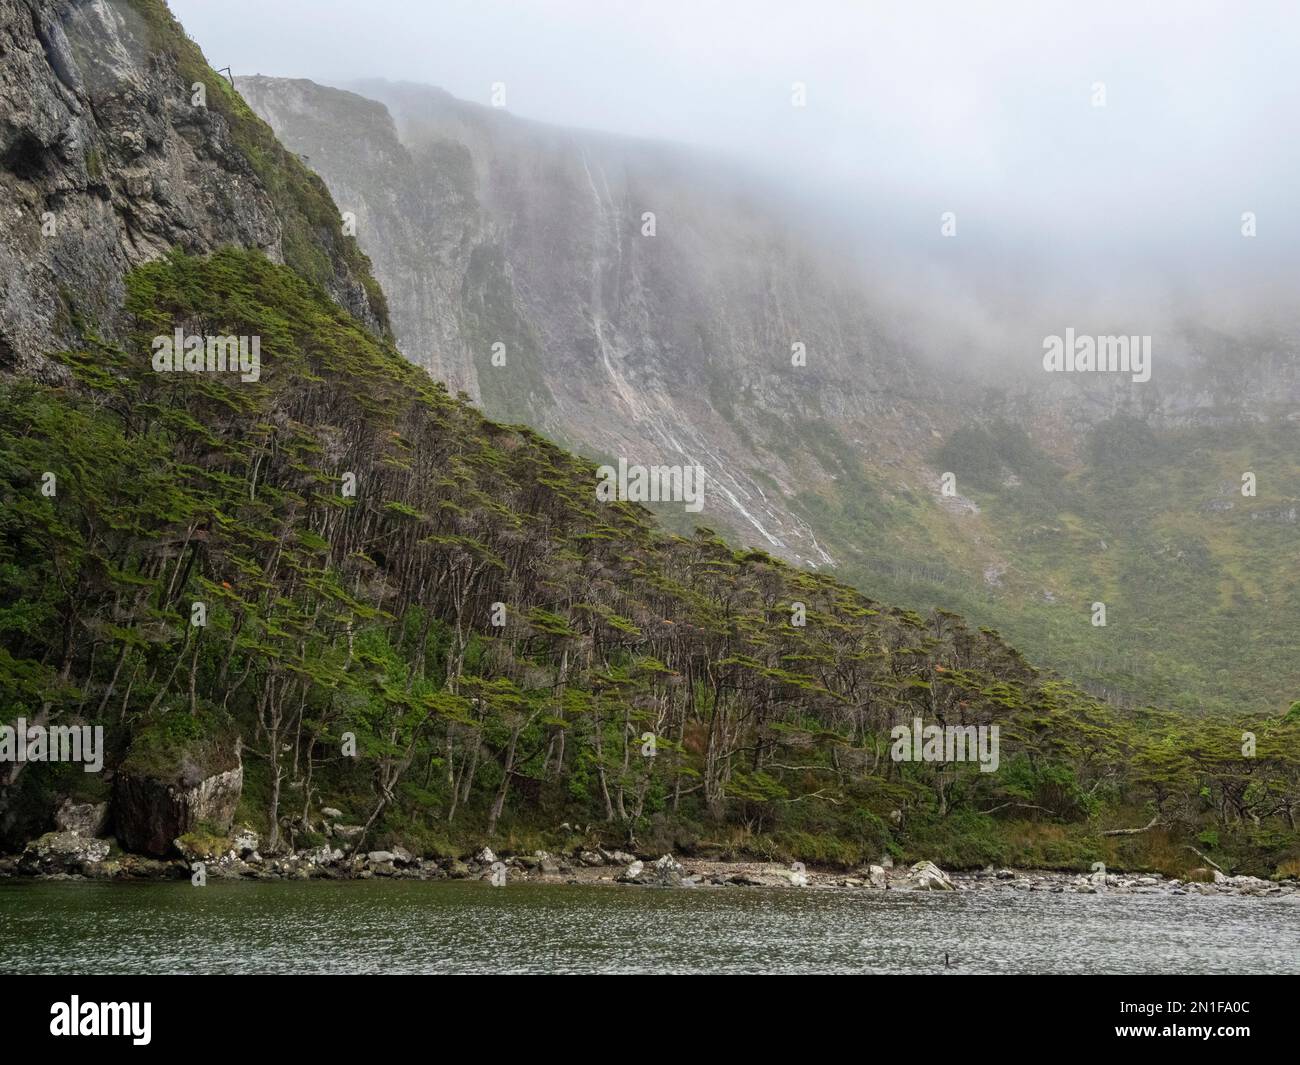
(819, 794)
(1134, 831)
(1020, 805)
(1208, 861)
(804, 768)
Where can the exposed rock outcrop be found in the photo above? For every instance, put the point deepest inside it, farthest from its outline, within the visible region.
(63, 853)
(152, 813)
(167, 788)
(109, 158)
(86, 818)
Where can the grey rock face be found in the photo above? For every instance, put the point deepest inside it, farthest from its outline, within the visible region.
(63, 852)
(106, 163)
(150, 813)
(86, 818)
(417, 212)
(668, 349)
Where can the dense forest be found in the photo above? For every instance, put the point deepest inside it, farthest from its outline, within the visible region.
(346, 581)
(428, 620)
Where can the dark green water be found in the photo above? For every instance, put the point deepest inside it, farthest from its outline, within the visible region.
(463, 926)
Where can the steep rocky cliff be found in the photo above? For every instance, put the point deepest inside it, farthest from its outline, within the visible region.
(1070, 488)
(119, 146)
(665, 347)
(166, 787)
(118, 143)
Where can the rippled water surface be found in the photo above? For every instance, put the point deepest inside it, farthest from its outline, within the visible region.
(463, 926)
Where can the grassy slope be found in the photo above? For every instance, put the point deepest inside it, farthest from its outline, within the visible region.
(1202, 604)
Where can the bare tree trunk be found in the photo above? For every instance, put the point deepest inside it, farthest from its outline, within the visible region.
(499, 803)
(600, 767)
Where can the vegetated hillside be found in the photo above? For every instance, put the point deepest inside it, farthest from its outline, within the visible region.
(1200, 582)
(373, 614)
(318, 558)
(1072, 490)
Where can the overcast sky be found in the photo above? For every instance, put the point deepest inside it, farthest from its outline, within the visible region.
(913, 108)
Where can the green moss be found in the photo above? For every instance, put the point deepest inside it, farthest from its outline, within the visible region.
(207, 741)
(203, 844)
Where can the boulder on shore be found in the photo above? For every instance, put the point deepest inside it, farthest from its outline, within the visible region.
(85, 818)
(63, 852)
(243, 842)
(175, 778)
(322, 855)
(925, 876)
(668, 871)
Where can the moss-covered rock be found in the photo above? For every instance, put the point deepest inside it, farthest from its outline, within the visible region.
(63, 852)
(181, 773)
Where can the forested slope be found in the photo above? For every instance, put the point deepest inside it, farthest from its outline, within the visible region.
(338, 585)
(328, 613)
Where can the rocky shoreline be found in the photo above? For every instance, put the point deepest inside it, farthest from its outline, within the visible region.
(73, 852)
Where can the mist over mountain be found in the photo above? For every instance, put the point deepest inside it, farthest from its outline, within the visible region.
(384, 468)
(486, 228)
(673, 348)
(1094, 157)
